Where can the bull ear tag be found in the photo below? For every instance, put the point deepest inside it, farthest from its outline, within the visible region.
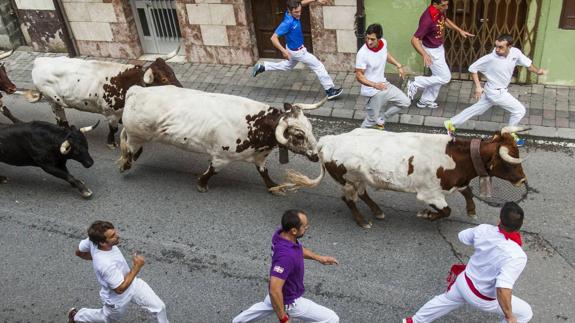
(149, 76)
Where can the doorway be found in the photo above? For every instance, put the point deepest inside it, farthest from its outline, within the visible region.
(157, 24)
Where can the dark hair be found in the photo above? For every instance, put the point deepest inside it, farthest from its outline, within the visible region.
(291, 220)
(97, 229)
(437, 1)
(375, 29)
(293, 4)
(506, 37)
(511, 217)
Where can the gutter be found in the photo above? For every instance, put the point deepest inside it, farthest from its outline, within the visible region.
(360, 23)
(66, 29)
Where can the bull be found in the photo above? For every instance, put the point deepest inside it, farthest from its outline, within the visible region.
(5, 84)
(94, 86)
(45, 145)
(226, 127)
(431, 165)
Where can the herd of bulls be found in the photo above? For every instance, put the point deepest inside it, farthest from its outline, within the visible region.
(152, 105)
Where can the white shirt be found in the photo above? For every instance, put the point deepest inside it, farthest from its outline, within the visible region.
(374, 65)
(496, 263)
(110, 268)
(498, 69)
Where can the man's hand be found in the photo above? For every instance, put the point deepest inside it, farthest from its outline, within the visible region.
(137, 260)
(511, 319)
(465, 34)
(478, 92)
(427, 60)
(380, 86)
(541, 71)
(327, 260)
(286, 54)
(401, 71)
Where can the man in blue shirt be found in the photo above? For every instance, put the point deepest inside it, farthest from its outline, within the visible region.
(295, 51)
(286, 277)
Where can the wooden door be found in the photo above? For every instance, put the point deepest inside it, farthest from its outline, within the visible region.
(267, 15)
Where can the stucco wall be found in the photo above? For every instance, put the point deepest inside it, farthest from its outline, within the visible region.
(555, 47)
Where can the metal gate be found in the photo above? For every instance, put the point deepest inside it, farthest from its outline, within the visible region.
(488, 19)
(157, 23)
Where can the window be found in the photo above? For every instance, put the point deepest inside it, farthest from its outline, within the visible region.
(568, 15)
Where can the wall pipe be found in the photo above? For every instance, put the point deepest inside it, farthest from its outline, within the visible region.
(360, 23)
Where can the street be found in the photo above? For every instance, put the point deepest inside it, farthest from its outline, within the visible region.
(208, 254)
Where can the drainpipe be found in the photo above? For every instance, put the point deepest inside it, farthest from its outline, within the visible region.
(66, 30)
(360, 23)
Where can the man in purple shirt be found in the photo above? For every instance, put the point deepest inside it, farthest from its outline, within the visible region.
(286, 277)
(428, 42)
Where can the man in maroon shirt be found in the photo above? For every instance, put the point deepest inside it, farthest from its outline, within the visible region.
(428, 42)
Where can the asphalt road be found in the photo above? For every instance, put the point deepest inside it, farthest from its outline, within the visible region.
(207, 254)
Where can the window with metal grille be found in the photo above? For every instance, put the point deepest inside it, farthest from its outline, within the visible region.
(568, 15)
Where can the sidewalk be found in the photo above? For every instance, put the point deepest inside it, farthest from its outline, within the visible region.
(550, 109)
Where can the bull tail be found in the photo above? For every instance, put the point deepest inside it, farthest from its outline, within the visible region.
(295, 180)
(125, 155)
(32, 96)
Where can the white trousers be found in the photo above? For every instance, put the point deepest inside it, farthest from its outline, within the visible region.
(143, 296)
(308, 59)
(302, 309)
(488, 99)
(393, 96)
(440, 74)
(460, 294)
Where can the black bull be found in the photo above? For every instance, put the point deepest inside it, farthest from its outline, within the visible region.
(44, 145)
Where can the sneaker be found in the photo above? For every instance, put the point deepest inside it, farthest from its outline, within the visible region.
(520, 142)
(333, 93)
(378, 126)
(449, 127)
(257, 69)
(71, 313)
(429, 105)
(411, 89)
(407, 320)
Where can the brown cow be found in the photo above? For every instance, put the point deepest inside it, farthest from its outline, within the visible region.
(5, 84)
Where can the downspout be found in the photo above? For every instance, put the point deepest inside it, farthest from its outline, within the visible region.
(66, 30)
(360, 23)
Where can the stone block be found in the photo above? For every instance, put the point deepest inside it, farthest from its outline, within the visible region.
(489, 126)
(341, 17)
(346, 41)
(76, 11)
(198, 14)
(411, 119)
(346, 3)
(222, 14)
(208, 1)
(97, 31)
(431, 121)
(102, 12)
(35, 4)
(566, 133)
(214, 35)
(342, 113)
(540, 131)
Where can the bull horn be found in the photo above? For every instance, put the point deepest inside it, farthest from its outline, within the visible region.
(65, 147)
(280, 129)
(310, 106)
(6, 54)
(90, 128)
(504, 153)
(172, 54)
(513, 129)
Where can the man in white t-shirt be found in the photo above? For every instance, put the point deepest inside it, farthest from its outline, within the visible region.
(497, 67)
(370, 72)
(120, 284)
(488, 279)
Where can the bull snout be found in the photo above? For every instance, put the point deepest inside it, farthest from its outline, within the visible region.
(314, 157)
(11, 89)
(87, 162)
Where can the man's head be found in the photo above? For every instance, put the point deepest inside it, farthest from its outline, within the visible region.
(511, 217)
(502, 45)
(294, 8)
(441, 5)
(103, 234)
(295, 222)
(373, 34)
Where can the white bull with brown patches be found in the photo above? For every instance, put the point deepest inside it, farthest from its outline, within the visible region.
(94, 86)
(430, 165)
(226, 127)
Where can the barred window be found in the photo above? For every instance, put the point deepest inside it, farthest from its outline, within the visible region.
(568, 15)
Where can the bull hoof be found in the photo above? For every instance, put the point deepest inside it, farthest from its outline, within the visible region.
(3, 180)
(366, 225)
(425, 214)
(380, 216)
(202, 189)
(112, 146)
(276, 192)
(472, 214)
(124, 167)
(86, 193)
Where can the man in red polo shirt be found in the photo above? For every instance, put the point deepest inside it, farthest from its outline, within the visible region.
(428, 42)
(286, 277)
(488, 279)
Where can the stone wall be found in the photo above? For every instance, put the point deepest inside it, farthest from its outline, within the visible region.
(217, 31)
(103, 28)
(10, 36)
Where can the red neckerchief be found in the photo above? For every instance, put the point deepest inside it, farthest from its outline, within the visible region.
(435, 13)
(378, 48)
(514, 236)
